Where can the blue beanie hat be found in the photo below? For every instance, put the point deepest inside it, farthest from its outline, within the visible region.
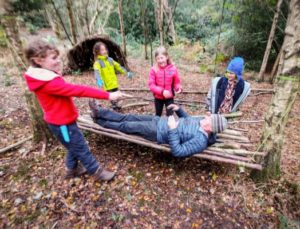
(236, 66)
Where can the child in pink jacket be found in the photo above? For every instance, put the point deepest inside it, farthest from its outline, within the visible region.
(163, 81)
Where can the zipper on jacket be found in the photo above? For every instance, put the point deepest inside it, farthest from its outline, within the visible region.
(164, 78)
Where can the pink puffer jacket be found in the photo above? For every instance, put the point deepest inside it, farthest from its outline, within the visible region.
(163, 78)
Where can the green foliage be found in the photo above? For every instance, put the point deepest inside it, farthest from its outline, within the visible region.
(31, 12)
(252, 23)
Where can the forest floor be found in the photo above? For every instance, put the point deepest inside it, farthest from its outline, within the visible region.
(151, 189)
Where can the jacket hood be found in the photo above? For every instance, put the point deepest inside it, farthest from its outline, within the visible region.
(37, 77)
(236, 66)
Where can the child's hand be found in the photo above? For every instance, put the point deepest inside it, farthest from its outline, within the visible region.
(118, 95)
(178, 91)
(174, 107)
(129, 75)
(167, 94)
(172, 122)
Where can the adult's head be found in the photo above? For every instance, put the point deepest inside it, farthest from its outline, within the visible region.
(235, 68)
(213, 123)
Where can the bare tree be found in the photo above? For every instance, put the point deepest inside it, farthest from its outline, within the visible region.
(120, 11)
(170, 22)
(270, 41)
(145, 27)
(159, 14)
(72, 20)
(287, 85)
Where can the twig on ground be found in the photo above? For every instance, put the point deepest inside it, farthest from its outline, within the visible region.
(15, 145)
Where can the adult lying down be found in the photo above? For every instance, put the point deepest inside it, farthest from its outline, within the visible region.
(186, 136)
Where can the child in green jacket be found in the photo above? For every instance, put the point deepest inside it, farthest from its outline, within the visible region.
(105, 69)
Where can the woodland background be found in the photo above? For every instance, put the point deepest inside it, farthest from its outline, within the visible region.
(154, 190)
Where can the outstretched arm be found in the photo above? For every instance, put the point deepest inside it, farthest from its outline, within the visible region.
(59, 87)
(118, 68)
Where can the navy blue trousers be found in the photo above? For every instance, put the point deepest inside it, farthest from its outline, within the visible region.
(78, 149)
(142, 125)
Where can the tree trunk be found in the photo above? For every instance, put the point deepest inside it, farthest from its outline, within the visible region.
(270, 41)
(145, 28)
(159, 13)
(72, 21)
(120, 11)
(275, 67)
(55, 25)
(40, 129)
(60, 20)
(170, 25)
(287, 84)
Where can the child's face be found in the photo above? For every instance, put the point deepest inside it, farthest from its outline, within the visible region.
(161, 60)
(50, 62)
(231, 76)
(103, 50)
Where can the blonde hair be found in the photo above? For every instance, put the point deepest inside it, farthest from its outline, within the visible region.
(38, 49)
(96, 48)
(163, 51)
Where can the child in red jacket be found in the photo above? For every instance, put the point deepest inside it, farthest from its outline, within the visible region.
(163, 81)
(44, 78)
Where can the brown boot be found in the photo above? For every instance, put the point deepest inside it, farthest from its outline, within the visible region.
(103, 175)
(77, 172)
(94, 109)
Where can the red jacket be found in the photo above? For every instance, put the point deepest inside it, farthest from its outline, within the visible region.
(55, 95)
(163, 78)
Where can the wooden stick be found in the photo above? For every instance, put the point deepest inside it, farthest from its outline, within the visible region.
(195, 92)
(227, 146)
(229, 115)
(231, 156)
(230, 161)
(135, 104)
(237, 129)
(236, 151)
(233, 114)
(232, 132)
(228, 136)
(246, 121)
(15, 145)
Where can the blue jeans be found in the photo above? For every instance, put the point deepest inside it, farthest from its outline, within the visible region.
(78, 149)
(144, 126)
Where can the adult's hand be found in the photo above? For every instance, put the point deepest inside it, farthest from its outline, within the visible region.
(174, 107)
(172, 122)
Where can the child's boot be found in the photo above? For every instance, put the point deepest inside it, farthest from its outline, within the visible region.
(78, 171)
(103, 175)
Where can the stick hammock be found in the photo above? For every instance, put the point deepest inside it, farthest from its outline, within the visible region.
(228, 149)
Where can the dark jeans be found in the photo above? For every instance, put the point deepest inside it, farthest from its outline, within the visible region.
(78, 149)
(159, 105)
(144, 126)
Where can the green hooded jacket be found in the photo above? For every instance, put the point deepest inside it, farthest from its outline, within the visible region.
(105, 69)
